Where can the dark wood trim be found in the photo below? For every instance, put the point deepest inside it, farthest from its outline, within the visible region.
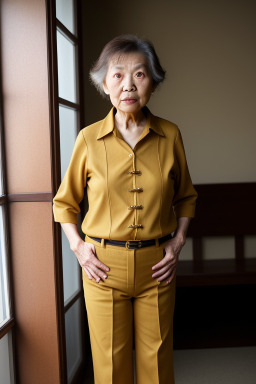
(239, 247)
(219, 317)
(81, 118)
(77, 66)
(69, 104)
(2, 136)
(208, 290)
(7, 327)
(55, 101)
(79, 375)
(66, 31)
(55, 161)
(86, 337)
(80, 61)
(197, 248)
(3, 200)
(30, 197)
(53, 96)
(216, 272)
(225, 209)
(78, 378)
(222, 210)
(73, 299)
(60, 301)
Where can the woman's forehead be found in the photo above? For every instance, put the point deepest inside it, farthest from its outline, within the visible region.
(123, 60)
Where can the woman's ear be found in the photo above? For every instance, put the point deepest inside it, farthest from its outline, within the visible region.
(105, 88)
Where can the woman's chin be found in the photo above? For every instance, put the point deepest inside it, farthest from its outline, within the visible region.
(129, 108)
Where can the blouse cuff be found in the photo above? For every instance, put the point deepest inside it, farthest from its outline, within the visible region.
(184, 211)
(65, 217)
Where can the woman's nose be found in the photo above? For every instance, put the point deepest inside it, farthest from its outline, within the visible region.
(128, 85)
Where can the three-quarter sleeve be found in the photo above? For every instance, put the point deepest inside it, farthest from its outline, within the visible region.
(71, 190)
(184, 201)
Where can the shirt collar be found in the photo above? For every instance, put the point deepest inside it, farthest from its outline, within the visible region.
(108, 124)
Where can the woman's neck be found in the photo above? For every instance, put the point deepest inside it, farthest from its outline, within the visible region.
(129, 120)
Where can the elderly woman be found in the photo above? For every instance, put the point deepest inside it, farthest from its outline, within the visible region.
(141, 199)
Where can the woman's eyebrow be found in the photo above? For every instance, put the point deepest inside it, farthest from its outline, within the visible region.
(135, 68)
(140, 66)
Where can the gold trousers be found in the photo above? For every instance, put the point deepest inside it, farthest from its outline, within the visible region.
(128, 301)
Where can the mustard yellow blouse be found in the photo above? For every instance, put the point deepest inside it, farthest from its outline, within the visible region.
(132, 193)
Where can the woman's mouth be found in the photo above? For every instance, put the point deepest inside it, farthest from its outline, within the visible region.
(129, 101)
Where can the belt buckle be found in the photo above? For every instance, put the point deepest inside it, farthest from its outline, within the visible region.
(133, 244)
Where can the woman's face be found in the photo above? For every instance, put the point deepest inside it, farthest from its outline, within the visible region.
(128, 82)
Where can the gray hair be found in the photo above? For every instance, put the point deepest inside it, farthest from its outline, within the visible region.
(126, 44)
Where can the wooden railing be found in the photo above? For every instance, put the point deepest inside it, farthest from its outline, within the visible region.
(215, 299)
(222, 210)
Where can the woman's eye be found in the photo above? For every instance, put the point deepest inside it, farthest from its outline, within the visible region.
(117, 75)
(139, 74)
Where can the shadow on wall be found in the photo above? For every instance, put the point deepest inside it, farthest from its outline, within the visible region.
(208, 51)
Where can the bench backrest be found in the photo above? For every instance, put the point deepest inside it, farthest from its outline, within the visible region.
(224, 210)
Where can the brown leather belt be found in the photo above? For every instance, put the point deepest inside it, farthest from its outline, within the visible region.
(134, 244)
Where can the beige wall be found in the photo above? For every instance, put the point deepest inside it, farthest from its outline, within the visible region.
(208, 50)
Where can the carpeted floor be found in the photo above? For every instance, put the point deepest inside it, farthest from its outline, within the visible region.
(212, 366)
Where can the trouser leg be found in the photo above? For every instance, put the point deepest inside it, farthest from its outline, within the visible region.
(153, 322)
(110, 319)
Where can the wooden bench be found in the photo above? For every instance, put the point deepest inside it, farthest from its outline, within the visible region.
(222, 210)
(215, 299)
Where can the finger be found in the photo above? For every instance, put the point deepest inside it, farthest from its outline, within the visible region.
(171, 277)
(100, 265)
(163, 262)
(165, 275)
(91, 259)
(161, 271)
(94, 258)
(98, 272)
(94, 274)
(87, 272)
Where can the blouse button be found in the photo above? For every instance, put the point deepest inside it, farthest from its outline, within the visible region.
(135, 190)
(130, 155)
(135, 207)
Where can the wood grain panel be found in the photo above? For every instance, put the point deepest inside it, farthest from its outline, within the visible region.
(25, 91)
(34, 292)
(224, 210)
(32, 197)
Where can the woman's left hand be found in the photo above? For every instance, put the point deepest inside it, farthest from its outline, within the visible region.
(166, 268)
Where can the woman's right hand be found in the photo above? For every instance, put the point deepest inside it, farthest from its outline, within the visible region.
(87, 258)
(85, 253)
